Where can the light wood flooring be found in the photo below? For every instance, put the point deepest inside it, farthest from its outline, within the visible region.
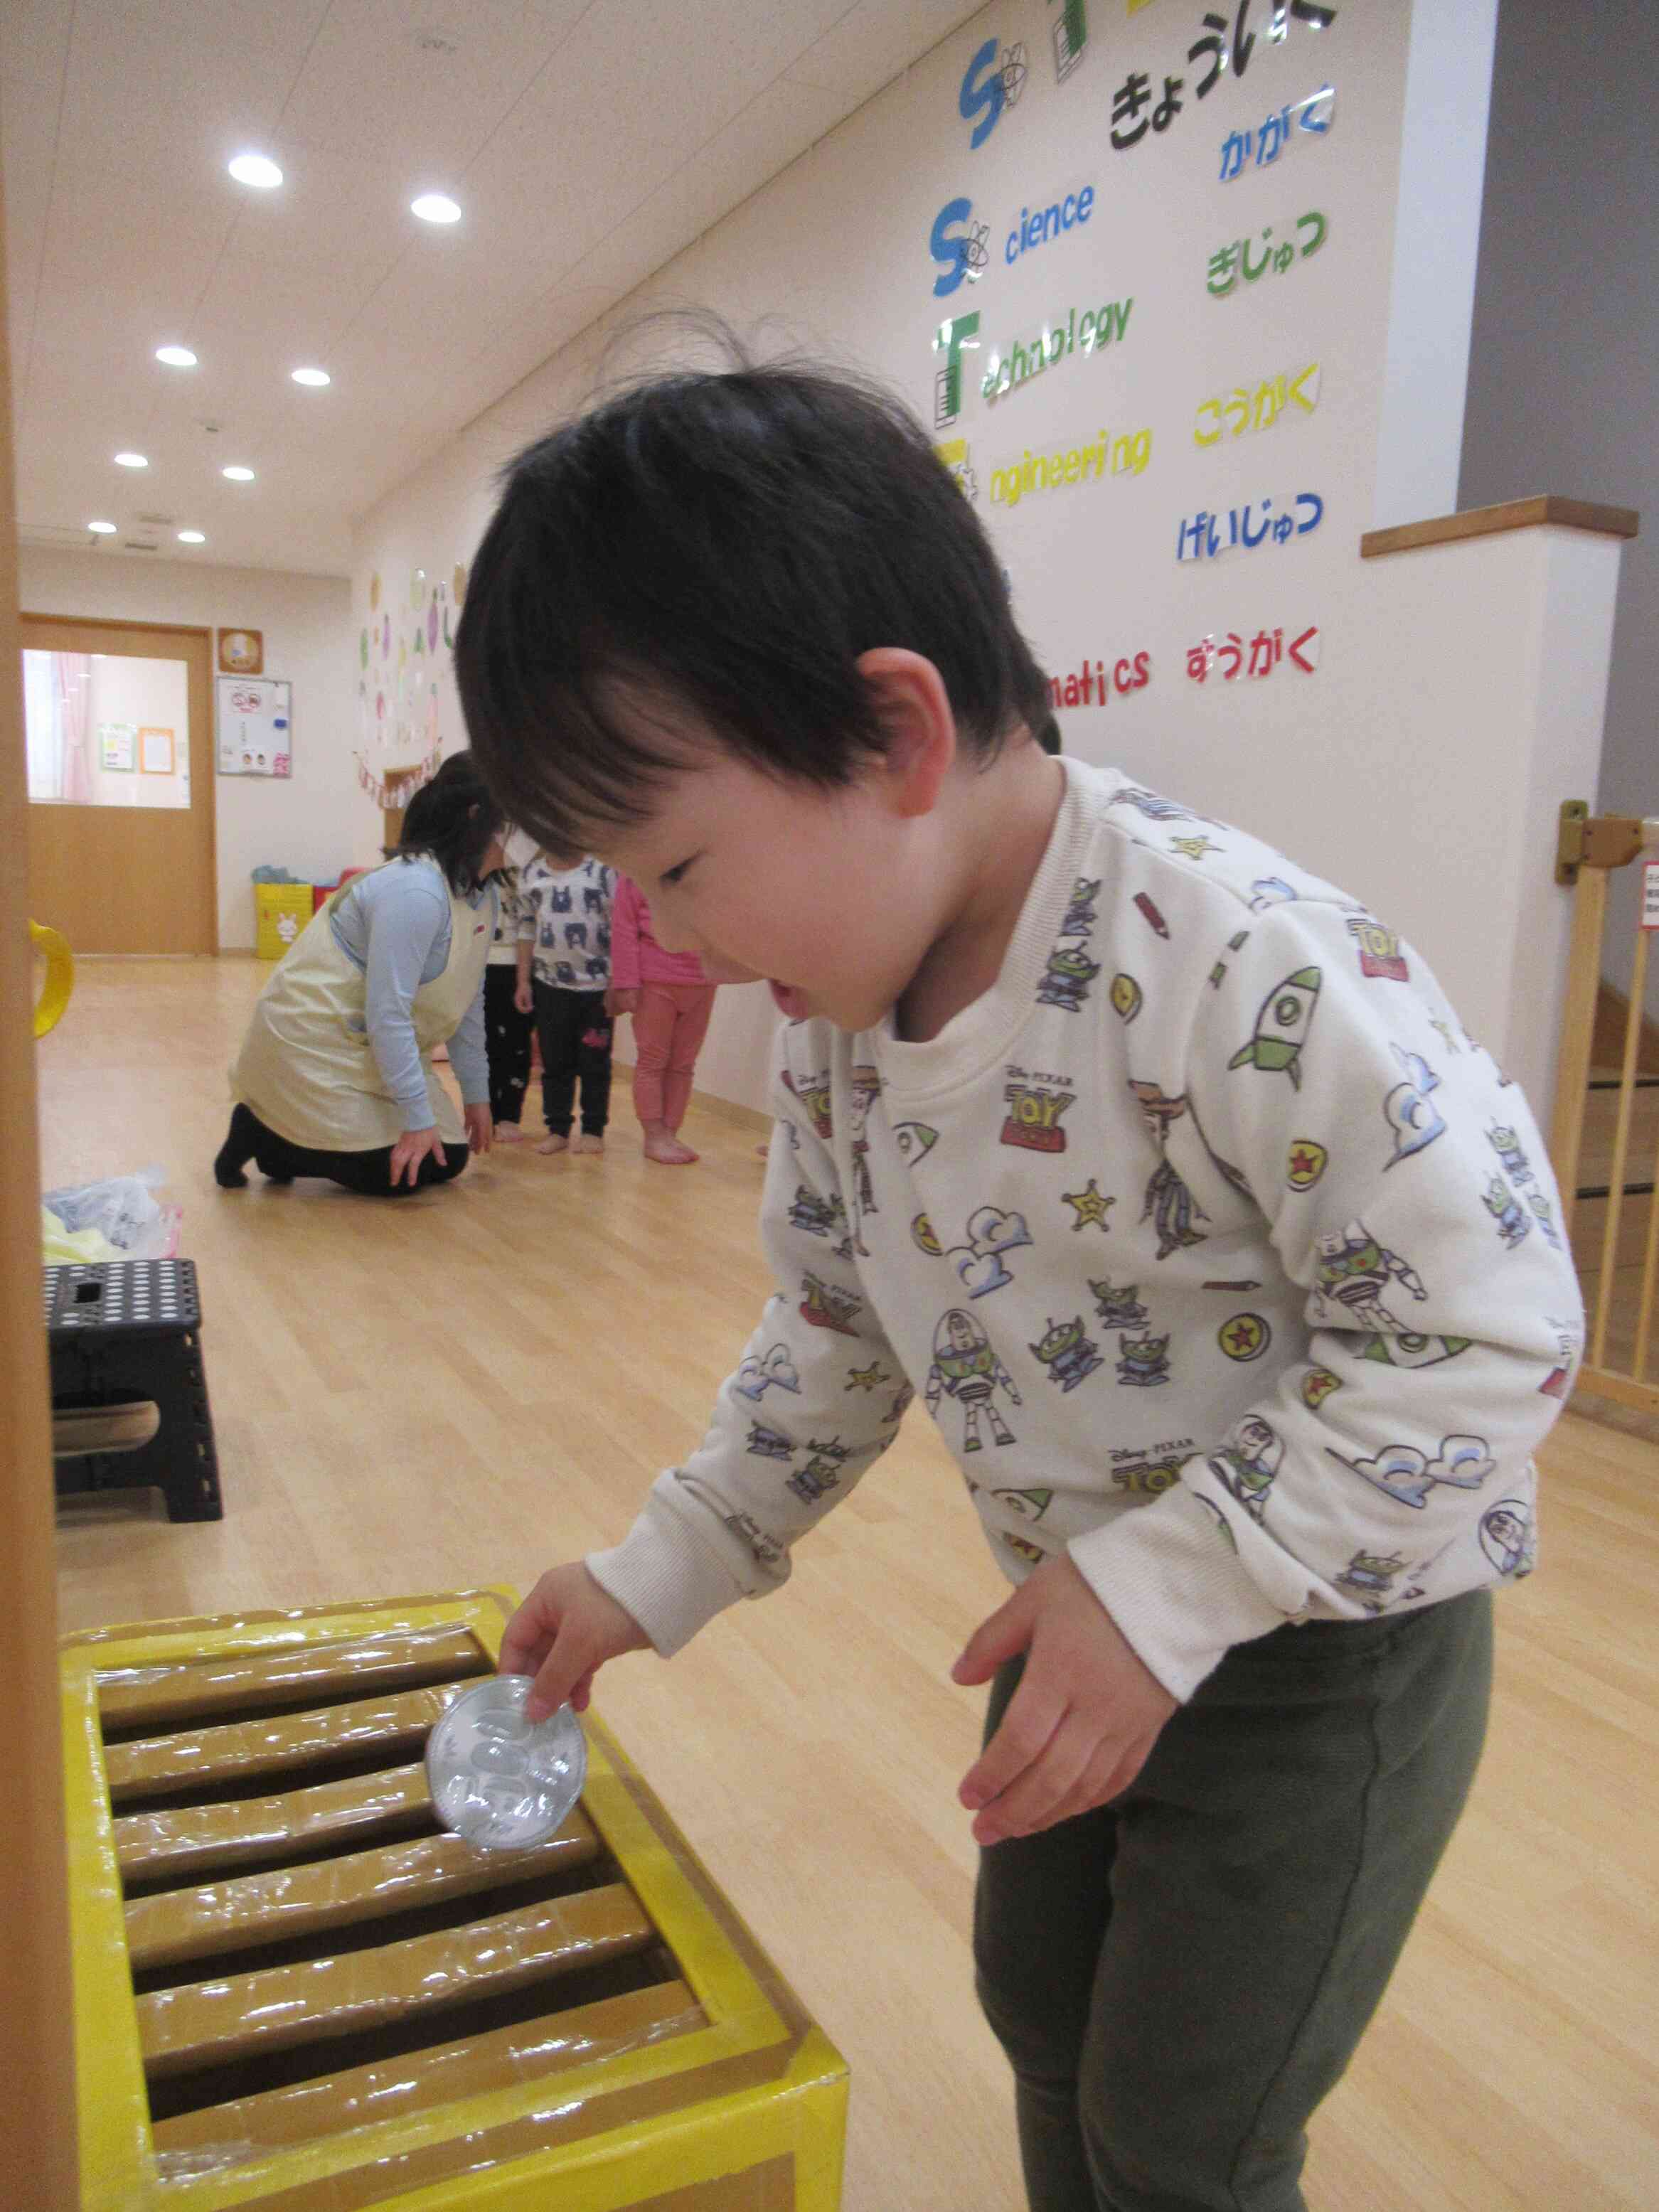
(469, 1385)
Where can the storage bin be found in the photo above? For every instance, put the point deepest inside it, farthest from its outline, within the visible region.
(281, 911)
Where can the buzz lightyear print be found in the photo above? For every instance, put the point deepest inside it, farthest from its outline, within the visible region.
(1352, 1269)
(1248, 1462)
(967, 1370)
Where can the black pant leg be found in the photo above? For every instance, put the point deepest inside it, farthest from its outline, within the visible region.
(508, 1033)
(560, 1017)
(368, 1173)
(593, 1064)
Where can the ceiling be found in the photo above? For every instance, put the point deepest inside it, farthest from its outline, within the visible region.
(587, 141)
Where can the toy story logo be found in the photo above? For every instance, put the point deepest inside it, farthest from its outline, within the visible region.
(1036, 1106)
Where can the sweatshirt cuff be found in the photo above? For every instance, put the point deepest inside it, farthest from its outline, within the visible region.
(671, 1585)
(1172, 1578)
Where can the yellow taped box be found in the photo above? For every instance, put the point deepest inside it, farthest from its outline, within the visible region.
(296, 1992)
(281, 912)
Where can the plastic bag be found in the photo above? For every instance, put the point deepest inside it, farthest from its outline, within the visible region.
(61, 1247)
(122, 1209)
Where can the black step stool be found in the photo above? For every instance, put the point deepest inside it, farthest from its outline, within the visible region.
(126, 1330)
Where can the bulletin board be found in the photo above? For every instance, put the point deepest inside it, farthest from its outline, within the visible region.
(254, 725)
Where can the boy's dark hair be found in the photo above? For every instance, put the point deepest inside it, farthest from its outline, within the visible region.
(726, 544)
(455, 818)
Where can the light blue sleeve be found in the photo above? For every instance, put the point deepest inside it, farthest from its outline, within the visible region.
(469, 1053)
(408, 930)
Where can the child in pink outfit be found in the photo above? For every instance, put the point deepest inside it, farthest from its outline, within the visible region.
(671, 999)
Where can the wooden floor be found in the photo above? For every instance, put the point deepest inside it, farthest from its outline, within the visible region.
(466, 1387)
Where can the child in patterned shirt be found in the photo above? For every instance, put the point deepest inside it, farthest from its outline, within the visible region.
(1229, 1266)
(564, 960)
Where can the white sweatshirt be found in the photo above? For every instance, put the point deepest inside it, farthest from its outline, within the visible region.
(1223, 1256)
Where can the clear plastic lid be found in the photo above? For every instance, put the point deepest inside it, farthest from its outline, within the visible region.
(497, 1779)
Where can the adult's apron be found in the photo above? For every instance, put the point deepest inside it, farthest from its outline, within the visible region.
(307, 1067)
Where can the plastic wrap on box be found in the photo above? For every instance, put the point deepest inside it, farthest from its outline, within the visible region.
(294, 1991)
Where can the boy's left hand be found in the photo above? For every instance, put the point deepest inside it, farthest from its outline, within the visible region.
(1080, 1725)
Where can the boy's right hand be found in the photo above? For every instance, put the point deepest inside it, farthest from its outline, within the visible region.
(562, 1634)
(524, 997)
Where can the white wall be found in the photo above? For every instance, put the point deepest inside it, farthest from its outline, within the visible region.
(1352, 768)
(1562, 378)
(317, 821)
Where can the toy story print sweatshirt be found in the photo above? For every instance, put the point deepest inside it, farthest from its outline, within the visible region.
(1222, 1256)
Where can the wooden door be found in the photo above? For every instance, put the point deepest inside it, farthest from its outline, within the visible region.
(122, 875)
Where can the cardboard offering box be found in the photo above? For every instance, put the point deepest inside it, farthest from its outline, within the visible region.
(294, 1991)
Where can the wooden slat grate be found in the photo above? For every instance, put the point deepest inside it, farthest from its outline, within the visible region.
(297, 1950)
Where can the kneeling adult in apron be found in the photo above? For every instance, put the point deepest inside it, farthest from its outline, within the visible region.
(335, 1076)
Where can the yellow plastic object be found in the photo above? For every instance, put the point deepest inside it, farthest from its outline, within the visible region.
(281, 912)
(60, 976)
(695, 2082)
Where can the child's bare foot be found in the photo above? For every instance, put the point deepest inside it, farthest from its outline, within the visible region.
(550, 1143)
(587, 1143)
(662, 1145)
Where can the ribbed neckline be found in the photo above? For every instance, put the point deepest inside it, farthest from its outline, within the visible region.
(972, 1043)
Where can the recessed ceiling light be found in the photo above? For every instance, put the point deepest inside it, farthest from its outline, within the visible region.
(102, 529)
(237, 473)
(317, 376)
(256, 169)
(176, 356)
(435, 207)
(131, 461)
(191, 537)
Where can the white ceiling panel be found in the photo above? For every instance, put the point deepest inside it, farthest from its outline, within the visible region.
(588, 142)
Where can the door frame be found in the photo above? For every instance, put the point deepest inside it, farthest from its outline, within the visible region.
(198, 657)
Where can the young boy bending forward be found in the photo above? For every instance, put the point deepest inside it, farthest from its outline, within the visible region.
(1229, 1267)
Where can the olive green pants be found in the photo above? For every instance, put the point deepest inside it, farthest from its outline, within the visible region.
(1179, 1978)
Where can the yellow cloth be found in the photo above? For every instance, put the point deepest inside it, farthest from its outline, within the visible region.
(70, 1248)
(307, 1067)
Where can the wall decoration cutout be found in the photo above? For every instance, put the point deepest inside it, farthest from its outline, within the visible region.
(1223, 54)
(242, 651)
(954, 455)
(961, 246)
(1243, 409)
(953, 339)
(400, 686)
(1098, 328)
(1262, 147)
(1093, 683)
(1071, 36)
(1228, 263)
(1266, 651)
(1125, 454)
(1206, 536)
(1032, 231)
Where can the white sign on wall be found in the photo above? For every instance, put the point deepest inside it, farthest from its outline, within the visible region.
(255, 726)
